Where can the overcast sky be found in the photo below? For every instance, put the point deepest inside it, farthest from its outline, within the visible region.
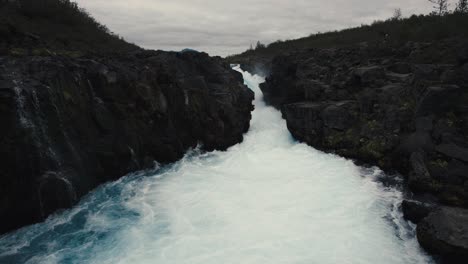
(222, 27)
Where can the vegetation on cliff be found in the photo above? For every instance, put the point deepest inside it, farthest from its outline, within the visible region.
(41, 27)
(396, 30)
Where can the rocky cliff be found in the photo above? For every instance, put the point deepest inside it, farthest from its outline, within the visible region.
(69, 124)
(401, 107)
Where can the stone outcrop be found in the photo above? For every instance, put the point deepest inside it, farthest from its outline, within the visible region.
(415, 211)
(69, 124)
(445, 232)
(403, 108)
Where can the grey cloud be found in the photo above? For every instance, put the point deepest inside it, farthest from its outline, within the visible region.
(222, 27)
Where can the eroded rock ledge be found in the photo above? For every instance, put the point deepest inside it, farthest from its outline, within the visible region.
(71, 124)
(403, 108)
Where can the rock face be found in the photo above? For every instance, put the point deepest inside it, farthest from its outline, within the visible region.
(445, 232)
(415, 211)
(403, 108)
(71, 124)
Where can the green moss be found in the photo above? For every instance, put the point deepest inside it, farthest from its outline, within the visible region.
(373, 149)
(352, 135)
(67, 96)
(41, 52)
(452, 196)
(373, 124)
(18, 52)
(334, 139)
(346, 139)
(407, 106)
(439, 163)
(70, 53)
(434, 186)
(451, 119)
(382, 163)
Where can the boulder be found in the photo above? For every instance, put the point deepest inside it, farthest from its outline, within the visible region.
(370, 74)
(453, 151)
(445, 232)
(424, 123)
(415, 211)
(399, 78)
(439, 99)
(418, 140)
(400, 68)
(426, 72)
(390, 94)
(457, 172)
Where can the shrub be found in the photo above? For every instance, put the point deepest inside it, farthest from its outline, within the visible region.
(61, 24)
(420, 28)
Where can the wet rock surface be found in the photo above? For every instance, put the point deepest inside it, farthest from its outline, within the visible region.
(69, 124)
(403, 108)
(445, 232)
(415, 211)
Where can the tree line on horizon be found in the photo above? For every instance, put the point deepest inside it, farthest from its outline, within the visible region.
(430, 26)
(441, 7)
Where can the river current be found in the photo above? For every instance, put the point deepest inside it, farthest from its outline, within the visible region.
(269, 199)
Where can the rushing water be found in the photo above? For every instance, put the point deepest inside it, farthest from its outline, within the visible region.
(267, 200)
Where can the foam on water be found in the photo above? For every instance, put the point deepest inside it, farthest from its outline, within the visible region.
(267, 200)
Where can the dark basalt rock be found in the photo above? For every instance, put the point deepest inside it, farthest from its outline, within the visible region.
(416, 211)
(377, 105)
(368, 75)
(419, 178)
(304, 120)
(339, 115)
(445, 232)
(430, 102)
(453, 151)
(71, 124)
(400, 68)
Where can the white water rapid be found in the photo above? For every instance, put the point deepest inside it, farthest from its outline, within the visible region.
(268, 200)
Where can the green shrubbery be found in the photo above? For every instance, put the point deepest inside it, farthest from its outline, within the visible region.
(60, 24)
(396, 29)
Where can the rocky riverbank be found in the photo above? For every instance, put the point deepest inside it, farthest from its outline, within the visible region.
(70, 124)
(401, 107)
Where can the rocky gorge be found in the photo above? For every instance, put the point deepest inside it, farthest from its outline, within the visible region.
(80, 107)
(400, 107)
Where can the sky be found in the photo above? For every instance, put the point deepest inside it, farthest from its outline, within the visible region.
(222, 27)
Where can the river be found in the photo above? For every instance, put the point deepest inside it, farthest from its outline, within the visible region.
(269, 199)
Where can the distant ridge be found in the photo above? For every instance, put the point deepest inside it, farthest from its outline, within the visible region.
(417, 28)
